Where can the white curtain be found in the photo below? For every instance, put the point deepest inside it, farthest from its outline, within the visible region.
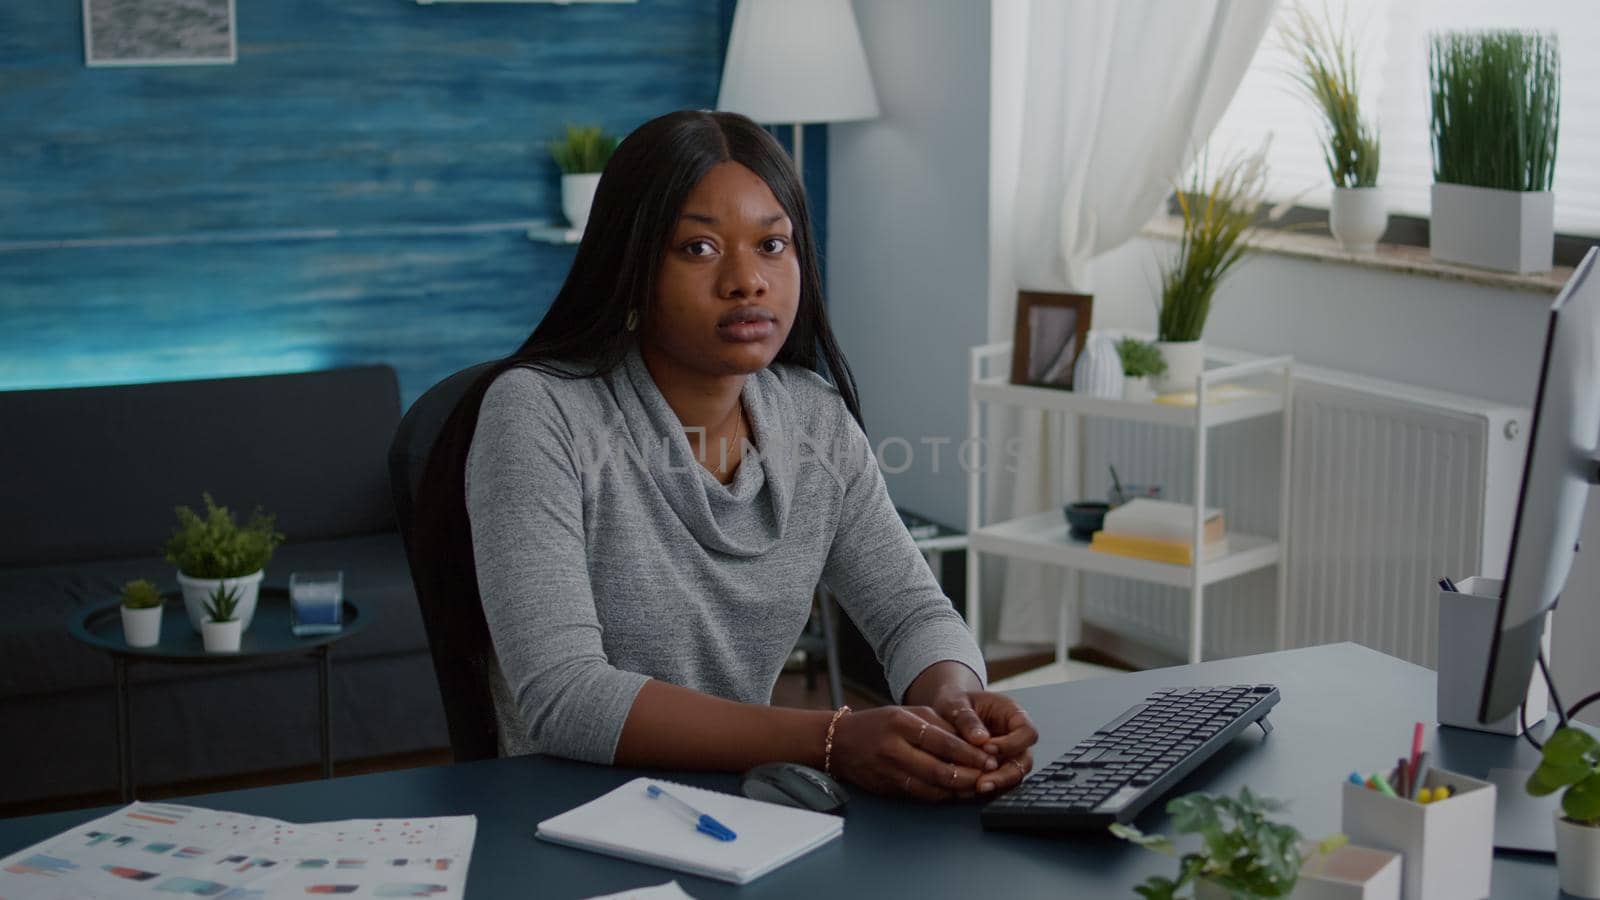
(1117, 97)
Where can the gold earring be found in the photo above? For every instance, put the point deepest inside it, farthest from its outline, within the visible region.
(633, 320)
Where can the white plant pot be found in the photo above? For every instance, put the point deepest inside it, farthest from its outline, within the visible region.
(1510, 231)
(1138, 390)
(1357, 217)
(1578, 857)
(141, 627)
(221, 637)
(1185, 361)
(196, 591)
(577, 196)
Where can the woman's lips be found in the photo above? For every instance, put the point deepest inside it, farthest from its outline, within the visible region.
(748, 331)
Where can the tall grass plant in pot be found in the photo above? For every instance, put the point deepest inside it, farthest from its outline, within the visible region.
(216, 552)
(581, 154)
(1326, 74)
(1219, 208)
(1496, 115)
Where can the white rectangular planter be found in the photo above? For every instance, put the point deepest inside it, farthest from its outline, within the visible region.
(1511, 231)
(1446, 846)
(1466, 624)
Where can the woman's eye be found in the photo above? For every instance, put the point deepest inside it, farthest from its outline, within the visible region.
(699, 248)
(775, 244)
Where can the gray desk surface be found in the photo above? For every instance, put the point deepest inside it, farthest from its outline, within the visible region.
(1344, 707)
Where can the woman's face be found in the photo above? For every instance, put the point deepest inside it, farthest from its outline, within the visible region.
(729, 286)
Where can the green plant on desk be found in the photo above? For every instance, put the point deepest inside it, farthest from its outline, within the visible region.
(1140, 358)
(218, 547)
(140, 594)
(1243, 851)
(584, 149)
(223, 604)
(1572, 761)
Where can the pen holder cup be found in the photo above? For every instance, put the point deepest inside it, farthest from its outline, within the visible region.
(1348, 873)
(1466, 625)
(1446, 846)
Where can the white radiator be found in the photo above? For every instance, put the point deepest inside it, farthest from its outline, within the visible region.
(1393, 486)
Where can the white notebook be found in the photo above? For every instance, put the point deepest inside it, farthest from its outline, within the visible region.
(629, 823)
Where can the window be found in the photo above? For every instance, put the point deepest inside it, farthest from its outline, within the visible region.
(1393, 40)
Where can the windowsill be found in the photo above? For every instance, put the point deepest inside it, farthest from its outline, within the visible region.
(1389, 258)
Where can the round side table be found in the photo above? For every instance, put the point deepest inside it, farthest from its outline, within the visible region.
(100, 626)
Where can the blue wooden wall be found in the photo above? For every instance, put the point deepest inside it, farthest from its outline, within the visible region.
(354, 189)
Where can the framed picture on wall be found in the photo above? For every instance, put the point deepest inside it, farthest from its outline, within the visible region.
(1050, 333)
(158, 32)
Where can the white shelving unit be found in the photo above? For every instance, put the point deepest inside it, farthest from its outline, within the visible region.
(1044, 538)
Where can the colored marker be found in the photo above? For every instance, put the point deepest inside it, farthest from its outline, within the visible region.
(1383, 785)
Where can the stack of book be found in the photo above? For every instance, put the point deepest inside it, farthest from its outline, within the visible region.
(1161, 531)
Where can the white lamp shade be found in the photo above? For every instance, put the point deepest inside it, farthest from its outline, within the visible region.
(796, 62)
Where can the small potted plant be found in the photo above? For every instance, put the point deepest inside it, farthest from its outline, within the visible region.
(1571, 761)
(581, 155)
(1496, 105)
(1141, 362)
(1219, 214)
(1326, 73)
(216, 551)
(141, 614)
(1243, 852)
(221, 630)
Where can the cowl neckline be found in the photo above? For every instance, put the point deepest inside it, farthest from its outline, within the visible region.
(745, 517)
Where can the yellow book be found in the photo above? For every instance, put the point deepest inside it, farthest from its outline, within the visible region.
(1174, 552)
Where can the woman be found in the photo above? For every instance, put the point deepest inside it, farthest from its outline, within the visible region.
(656, 480)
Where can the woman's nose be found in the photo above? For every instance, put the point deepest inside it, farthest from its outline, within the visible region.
(741, 276)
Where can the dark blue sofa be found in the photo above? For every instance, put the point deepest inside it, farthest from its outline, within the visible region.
(91, 476)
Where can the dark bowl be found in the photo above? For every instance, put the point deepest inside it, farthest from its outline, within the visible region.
(1086, 518)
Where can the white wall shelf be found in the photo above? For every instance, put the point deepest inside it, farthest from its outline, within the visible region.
(1044, 538)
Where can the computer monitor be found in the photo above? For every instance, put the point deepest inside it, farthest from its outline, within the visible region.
(1563, 449)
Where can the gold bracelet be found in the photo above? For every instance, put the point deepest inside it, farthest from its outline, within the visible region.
(827, 746)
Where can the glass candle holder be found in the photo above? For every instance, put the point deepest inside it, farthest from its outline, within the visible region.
(316, 602)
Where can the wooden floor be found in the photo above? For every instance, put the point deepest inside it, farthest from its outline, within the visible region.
(790, 691)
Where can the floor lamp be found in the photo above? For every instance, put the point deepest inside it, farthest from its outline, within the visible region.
(797, 63)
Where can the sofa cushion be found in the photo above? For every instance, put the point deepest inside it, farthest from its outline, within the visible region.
(94, 473)
(42, 658)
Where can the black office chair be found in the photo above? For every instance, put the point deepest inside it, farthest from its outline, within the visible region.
(458, 636)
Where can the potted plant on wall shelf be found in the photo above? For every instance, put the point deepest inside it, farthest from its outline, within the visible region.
(1218, 216)
(1243, 853)
(141, 614)
(1496, 115)
(221, 630)
(1326, 73)
(1571, 760)
(217, 552)
(581, 155)
(1141, 362)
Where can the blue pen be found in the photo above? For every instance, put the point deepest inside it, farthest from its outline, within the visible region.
(702, 822)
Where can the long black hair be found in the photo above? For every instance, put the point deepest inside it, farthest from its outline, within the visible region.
(585, 334)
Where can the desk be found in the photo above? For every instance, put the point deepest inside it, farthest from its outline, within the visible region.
(1343, 707)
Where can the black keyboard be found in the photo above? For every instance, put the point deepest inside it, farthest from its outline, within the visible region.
(1133, 760)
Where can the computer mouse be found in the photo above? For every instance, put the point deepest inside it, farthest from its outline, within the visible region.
(792, 784)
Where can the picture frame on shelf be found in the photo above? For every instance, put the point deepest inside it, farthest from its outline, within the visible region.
(1051, 330)
(159, 32)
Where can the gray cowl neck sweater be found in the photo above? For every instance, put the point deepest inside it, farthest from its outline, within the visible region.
(607, 556)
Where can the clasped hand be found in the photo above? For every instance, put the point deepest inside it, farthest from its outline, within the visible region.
(966, 744)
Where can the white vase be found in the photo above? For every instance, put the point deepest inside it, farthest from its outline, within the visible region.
(1138, 390)
(221, 637)
(141, 627)
(1098, 372)
(1578, 857)
(196, 591)
(1357, 217)
(1510, 231)
(1185, 361)
(577, 196)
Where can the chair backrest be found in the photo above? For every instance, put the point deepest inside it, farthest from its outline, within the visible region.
(446, 587)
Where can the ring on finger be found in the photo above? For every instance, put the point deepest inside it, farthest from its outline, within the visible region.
(907, 787)
(1020, 767)
(920, 733)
